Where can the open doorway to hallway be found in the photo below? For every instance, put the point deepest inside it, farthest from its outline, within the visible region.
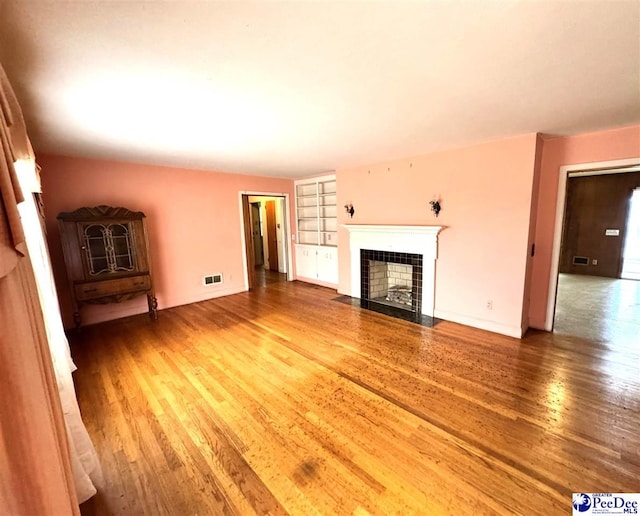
(631, 252)
(598, 292)
(266, 240)
(598, 308)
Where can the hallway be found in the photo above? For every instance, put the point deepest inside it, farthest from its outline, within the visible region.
(597, 308)
(266, 277)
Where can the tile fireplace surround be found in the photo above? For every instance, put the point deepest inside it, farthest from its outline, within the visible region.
(422, 240)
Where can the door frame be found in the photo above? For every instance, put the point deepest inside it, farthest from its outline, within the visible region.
(271, 217)
(253, 208)
(287, 231)
(584, 169)
(626, 235)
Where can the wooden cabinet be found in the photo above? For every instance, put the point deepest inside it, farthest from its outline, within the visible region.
(106, 253)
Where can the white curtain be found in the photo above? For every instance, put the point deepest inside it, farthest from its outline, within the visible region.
(84, 460)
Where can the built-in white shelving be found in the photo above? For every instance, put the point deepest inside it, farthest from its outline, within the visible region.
(317, 231)
(316, 211)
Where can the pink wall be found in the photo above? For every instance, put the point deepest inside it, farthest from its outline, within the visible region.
(615, 144)
(486, 193)
(193, 218)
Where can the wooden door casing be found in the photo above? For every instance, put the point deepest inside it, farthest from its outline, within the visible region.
(272, 238)
(248, 242)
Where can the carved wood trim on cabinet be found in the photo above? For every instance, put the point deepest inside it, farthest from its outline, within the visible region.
(106, 253)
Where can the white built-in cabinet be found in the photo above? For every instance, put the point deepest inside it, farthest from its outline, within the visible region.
(316, 262)
(317, 229)
(306, 261)
(327, 264)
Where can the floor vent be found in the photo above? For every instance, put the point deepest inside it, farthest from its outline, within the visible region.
(213, 279)
(580, 260)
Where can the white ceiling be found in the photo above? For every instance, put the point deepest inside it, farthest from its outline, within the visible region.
(298, 88)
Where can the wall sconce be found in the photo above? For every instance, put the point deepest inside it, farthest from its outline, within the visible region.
(435, 207)
(349, 209)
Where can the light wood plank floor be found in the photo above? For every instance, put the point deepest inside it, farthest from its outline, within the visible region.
(284, 401)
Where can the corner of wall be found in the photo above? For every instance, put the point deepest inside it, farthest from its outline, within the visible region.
(533, 216)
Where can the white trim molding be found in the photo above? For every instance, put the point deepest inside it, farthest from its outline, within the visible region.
(287, 231)
(602, 167)
(504, 329)
(422, 240)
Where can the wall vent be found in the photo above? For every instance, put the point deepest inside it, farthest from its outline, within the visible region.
(213, 279)
(580, 260)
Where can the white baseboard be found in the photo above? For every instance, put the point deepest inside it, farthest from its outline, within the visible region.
(318, 282)
(201, 296)
(482, 324)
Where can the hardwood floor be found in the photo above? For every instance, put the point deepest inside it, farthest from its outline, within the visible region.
(263, 277)
(284, 401)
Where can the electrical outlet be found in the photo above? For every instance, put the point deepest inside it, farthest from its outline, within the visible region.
(594, 262)
(489, 304)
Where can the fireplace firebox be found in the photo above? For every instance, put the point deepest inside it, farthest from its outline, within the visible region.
(391, 278)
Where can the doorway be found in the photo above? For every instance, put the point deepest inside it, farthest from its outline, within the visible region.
(257, 234)
(266, 235)
(631, 252)
(594, 296)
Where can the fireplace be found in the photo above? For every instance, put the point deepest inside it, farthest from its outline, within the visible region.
(416, 246)
(392, 279)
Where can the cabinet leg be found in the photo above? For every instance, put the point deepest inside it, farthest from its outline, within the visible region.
(76, 319)
(153, 306)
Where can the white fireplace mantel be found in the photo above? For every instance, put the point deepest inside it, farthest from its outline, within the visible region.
(422, 240)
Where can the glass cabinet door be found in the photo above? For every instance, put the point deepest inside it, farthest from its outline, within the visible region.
(108, 248)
